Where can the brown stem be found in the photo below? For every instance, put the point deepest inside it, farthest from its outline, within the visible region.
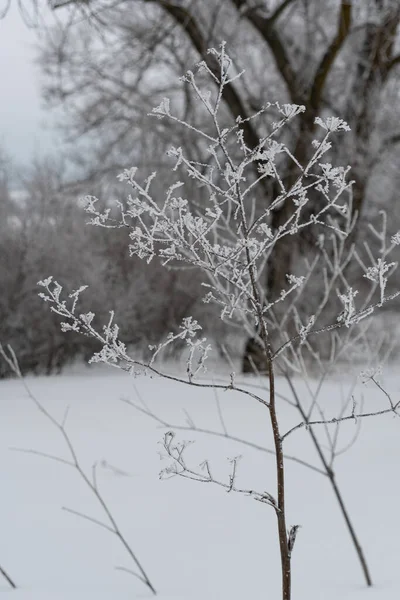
(268, 353)
(279, 457)
(280, 473)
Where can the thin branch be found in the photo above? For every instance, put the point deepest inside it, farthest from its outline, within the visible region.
(220, 434)
(279, 11)
(179, 468)
(351, 417)
(378, 385)
(338, 324)
(324, 67)
(7, 578)
(265, 27)
(88, 518)
(225, 388)
(125, 570)
(44, 455)
(220, 414)
(391, 141)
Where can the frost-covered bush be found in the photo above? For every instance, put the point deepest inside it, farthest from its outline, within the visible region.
(227, 237)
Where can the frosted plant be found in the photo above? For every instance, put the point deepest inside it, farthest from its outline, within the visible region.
(226, 233)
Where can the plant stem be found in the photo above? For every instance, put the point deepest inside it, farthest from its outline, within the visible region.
(280, 465)
(350, 527)
(331, 476)
(7, 578)
(280, 473)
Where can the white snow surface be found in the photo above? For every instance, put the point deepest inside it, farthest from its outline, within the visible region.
(195, 540)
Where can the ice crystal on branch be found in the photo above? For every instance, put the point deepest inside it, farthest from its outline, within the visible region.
(349, 307)
(127, 174)
(378, 274)
(371, 373)
(395, 239)
(162, 110)
(332, 124)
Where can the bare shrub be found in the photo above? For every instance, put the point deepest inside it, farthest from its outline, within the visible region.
(230, 238)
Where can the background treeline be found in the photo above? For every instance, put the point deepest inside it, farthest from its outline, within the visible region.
(44, 231)
(106, 64)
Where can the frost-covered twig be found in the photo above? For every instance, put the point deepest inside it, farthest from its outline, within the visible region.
(114, 351)
(354, 416)
(222, 434)
(178, 467)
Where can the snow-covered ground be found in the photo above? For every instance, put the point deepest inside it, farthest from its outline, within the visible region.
(194, 540)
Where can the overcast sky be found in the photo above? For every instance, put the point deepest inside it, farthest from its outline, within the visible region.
(25, 128)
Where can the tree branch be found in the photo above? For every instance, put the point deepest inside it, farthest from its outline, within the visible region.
(392, 140)
(393, 62)
(7, 578)
(265, 27)
(88, 518)
(279, 10)
(324, 67)
(394, 408)
(227, 436)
